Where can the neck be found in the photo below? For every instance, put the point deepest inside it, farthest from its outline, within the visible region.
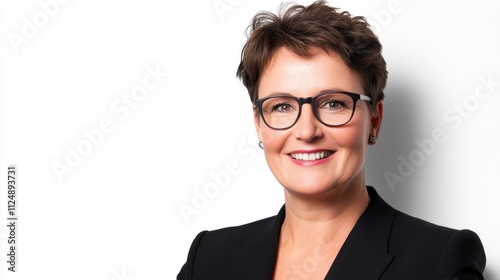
(328, 218)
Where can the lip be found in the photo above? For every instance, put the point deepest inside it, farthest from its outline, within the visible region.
(311, 162)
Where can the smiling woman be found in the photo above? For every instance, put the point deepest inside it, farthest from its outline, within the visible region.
(316, 77)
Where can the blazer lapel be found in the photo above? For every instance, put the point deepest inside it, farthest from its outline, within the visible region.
(364, 254)
(257, 258)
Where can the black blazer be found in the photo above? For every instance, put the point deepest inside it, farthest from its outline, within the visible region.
(384, 244)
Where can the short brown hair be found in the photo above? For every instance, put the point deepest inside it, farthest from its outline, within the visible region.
(298, 28)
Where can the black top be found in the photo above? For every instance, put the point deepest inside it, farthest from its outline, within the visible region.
(384, 244)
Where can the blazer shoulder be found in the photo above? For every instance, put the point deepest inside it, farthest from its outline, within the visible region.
(411, 226)
(213, 250)
(229, 237)
(411, 232)
(463, 257)
(450, 251)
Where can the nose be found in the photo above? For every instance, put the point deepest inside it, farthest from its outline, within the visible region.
(308, 128)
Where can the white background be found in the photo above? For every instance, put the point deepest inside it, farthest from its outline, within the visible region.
(115, 214)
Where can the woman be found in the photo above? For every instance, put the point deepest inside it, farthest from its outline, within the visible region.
(316, 77)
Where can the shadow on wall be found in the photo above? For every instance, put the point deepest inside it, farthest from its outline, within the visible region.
(400, 128)
(488, 274)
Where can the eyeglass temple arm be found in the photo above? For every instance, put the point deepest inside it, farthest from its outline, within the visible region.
(365, 97)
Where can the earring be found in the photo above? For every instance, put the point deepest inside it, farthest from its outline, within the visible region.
(261, 145)
(372, 140)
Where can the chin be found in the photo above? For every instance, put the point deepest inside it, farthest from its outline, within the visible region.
(310, 188)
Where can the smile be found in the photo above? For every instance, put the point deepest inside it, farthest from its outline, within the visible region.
(311, 156)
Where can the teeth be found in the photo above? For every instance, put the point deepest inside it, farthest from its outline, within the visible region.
(311, 156)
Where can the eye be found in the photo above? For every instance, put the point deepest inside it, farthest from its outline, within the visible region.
(282, 107)
(279, 105)
(333, 105)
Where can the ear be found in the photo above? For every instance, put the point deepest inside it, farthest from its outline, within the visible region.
(376, 119)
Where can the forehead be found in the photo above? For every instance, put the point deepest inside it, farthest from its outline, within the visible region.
(292, 74)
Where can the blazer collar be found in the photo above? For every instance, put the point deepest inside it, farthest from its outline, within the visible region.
(364, 254)
(257, 258)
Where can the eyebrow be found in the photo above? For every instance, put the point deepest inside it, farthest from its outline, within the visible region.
(278, 93)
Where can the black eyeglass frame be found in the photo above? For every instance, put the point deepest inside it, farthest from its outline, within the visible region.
(310, 100)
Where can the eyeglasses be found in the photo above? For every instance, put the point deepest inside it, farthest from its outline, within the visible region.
(332, 108)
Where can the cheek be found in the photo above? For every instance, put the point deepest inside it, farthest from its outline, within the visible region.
(273, 140)
(353, 137)
(352, 152)
(355, 134)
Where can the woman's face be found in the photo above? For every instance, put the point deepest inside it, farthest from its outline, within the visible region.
(345, 146)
